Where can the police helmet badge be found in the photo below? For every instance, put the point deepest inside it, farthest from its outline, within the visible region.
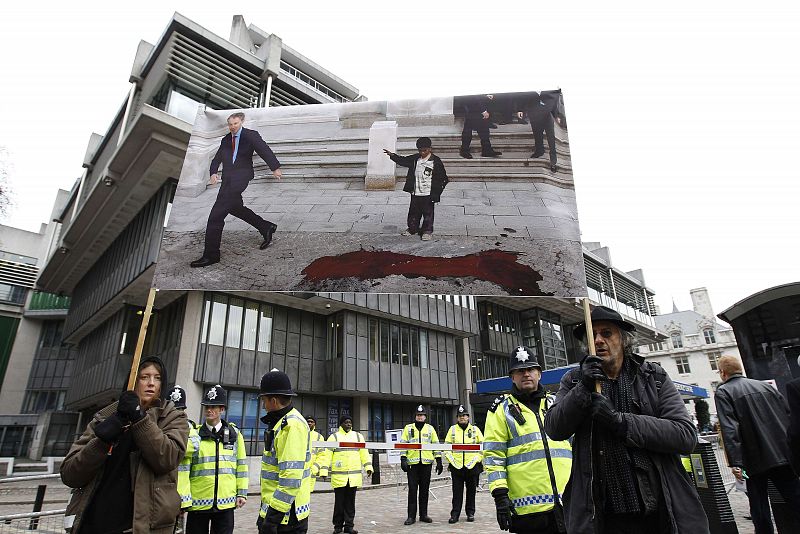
(522, 354)
(212, 393)
(175, 396)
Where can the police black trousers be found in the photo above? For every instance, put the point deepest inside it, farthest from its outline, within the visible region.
(421, 208)
(419, 479)
(464, 477)
(229, 201)
(542, 123)
(221, 522)
(344, 507)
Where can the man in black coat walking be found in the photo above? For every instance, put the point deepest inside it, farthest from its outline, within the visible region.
(235, 154)
(754, 418)
(476, 117)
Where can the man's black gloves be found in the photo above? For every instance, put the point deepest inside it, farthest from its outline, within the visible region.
(504, 508)
(128, 407)
(439, 467)
(404, 464)
(110, 429)
(591, 371)
(604, 413)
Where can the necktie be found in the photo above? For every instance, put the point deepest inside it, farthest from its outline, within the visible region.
(233, 147)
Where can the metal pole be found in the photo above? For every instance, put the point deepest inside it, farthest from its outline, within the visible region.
(137, 355)
(37, 506)
(376, 466)
(587, 319)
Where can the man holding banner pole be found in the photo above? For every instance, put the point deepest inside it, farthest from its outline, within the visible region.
(628, 439)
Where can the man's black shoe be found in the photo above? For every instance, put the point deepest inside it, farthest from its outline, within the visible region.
(205, 261)
(425, 519)
(464, 154)
(410, 521)
(337, 531)
(268, 235)
(350, 530)
(490, 154)
(452, 520)
(471, 518)
(553, 167)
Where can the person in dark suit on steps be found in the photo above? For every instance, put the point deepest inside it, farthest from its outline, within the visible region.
(235, 154)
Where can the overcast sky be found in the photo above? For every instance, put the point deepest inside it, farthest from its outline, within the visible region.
(683, 117)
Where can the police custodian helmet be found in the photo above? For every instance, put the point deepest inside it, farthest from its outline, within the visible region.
(178, 397)
(276, 383)
(215, 396)
(522, 358)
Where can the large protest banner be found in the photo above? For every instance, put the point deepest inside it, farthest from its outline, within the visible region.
(492, 211)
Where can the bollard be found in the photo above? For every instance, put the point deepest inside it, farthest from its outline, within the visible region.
(376, 467)
(37, 506)
(708, 481)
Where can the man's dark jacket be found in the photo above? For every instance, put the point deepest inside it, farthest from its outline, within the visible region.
(753, 418)
(241, 170)
(661, 427)
(793, 398)
(438, 180)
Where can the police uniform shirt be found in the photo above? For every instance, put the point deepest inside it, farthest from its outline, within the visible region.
(424, 176)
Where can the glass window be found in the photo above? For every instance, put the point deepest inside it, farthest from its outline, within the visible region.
(677, 340)
(384, 341)
(374, 340)
(414, 346)
(395, 343)
(405, 346)
(713, 359)
(250, 325)
(423, 348)
(708, 333)
(217, 328)
(182, 106)
(234, 337)
(683, 365)
(264, 328)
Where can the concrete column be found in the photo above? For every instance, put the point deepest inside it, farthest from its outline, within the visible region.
(20, 362)
(464, 373)
(380, 169)
(361, 414)
(187, 354)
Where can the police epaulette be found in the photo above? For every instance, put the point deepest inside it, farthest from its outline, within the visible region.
(495, 404)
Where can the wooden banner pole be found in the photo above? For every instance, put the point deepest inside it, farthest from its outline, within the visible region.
(587, 320)
(137, 355)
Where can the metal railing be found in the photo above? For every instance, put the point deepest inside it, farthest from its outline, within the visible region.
(37, 520)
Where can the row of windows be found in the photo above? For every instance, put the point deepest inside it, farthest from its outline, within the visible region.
(677, 338)
(498, 318)
(389, 342)
(237, 323)
(682, 362)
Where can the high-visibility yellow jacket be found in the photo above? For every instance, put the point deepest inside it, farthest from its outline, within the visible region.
(345, 465)
(462, 459)
(218, 468)
(316, 457)
(184, 486)
(426, 435)
(520, 456)
(286, 468)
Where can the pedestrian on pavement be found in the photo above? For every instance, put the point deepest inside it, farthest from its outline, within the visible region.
(627, 474)
(476, 118)
(218, 476)
(345, 467)
(425, 181)
(142, 427)
(527, 471)
(316, 452)
(286, 462)
(417, 464)
(754, 420)
(465, 467)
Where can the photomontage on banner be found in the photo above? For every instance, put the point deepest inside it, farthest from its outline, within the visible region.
(464, 195)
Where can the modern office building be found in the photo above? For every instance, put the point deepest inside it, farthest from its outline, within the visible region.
(375, 356)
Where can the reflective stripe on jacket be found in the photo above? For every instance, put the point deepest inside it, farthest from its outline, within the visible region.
(218, 469)
(426, 435)
(460, 459)
(286, 468)
(346, 464)
(184, 486)
(523, 459)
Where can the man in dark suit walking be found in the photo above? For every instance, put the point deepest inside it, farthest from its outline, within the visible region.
(236, 156)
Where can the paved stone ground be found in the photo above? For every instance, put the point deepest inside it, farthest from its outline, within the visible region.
(317, 219)
(379, 511)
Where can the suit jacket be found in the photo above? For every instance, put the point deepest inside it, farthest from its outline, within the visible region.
(793, 399)
(250, 141)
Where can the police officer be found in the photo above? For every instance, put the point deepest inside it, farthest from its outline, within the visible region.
(527, 470)
(316, 452)
(286, 462)
(178, 397)
(465, 467)
(418, 465)
(345, 468)
(217, 470)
